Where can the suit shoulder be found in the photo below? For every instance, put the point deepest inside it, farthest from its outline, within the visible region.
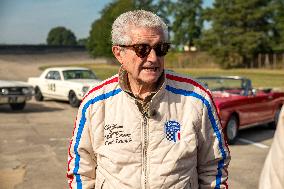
(103, 87)
(185, 82)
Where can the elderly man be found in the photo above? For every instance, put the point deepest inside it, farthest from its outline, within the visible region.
(146, 127)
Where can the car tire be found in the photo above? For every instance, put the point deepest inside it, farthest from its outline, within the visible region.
(232, 129)
(18, 106)
(73, 100)
(38, 94)
(273, 124)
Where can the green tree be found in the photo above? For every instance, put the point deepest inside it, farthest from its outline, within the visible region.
(144, 4)
(99, 43)
(162, 8)
(187, 22)
(82, 41)
(61, 36)
(278, 42)
(240, 29)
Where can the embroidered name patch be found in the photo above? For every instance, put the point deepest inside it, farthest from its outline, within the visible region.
(115, 134)
(172, 131)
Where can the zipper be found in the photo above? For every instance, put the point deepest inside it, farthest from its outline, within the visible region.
(145, 146)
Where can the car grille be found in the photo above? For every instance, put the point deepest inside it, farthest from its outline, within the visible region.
(12, 91)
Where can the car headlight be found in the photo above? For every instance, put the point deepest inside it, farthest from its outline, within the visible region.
(85, 89)
(4, 91)
(27, 90)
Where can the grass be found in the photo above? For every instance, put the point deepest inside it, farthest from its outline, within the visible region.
(261, 78)
(103, 71)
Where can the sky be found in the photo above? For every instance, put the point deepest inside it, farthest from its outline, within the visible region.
(29, 21)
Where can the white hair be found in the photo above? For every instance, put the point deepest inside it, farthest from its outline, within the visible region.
(137, 18)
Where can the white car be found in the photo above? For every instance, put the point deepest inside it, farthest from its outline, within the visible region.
(64, 83)
(15, 93)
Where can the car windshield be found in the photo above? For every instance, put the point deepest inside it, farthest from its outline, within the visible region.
(78, 74)
(230, 85)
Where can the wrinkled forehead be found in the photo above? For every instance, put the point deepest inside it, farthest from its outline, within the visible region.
(144, 34)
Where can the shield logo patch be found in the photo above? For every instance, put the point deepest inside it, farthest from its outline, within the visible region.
(172, 131)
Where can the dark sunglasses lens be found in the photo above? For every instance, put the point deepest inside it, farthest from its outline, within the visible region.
(162, 49)
(142, 50)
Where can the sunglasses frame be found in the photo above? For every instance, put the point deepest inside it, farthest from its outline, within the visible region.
(148, 48)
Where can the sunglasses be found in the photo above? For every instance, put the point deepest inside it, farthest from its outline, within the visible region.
(143, 50)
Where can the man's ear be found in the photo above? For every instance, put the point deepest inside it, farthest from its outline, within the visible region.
(116, 50)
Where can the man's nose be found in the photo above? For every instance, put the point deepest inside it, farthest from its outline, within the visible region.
(152, 55)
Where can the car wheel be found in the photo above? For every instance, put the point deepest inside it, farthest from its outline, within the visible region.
(232, 129)
(273, 124)
(73, 100)
(38, 94)
(18, 106)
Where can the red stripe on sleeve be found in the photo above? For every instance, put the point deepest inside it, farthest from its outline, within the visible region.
(113, 80)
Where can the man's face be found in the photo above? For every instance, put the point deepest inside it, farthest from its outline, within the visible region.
(147, 70)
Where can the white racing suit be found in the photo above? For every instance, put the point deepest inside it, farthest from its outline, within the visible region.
(179, 144)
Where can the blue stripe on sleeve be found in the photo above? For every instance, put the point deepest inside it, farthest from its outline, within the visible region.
(213, 123)
(81, 127)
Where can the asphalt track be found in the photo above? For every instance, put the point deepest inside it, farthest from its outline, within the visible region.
(34, 142)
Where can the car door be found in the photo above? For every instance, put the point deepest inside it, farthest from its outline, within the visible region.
(59, 86)
(46, 84)
(50, 87)
(266, 106)
(257, 108)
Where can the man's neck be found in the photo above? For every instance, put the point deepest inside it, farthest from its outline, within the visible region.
(141, 90)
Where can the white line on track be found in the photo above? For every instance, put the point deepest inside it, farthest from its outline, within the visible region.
(257, 144)
(59, 139)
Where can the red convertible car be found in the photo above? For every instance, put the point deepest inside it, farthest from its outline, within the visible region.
(241, 106)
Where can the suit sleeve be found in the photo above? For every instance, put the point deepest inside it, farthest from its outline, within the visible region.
(272, 175)
(213, 152)
(81, 157)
